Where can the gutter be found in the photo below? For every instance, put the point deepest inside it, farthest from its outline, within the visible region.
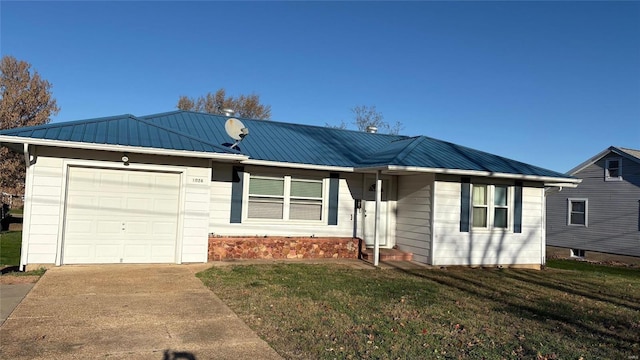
(121, 148)
(548, 180)
(297, 165)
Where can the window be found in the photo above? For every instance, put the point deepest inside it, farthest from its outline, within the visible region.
(285, 198)
(613, 170)
(490, 206)
(306, 200)
(480, 206)
(500, 207)
(266, 198)
(578, 214)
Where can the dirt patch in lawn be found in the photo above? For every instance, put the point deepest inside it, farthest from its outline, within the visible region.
(23, 279)
(9, 275)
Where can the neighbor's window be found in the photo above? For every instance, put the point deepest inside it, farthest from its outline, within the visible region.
(578, 212)
(613, 169)
(577, 253)
(490, 206)
(285, 198)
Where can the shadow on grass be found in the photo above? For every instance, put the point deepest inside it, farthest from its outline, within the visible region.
(178, 355)
(590, 292)
(10, 269)
(590, 320)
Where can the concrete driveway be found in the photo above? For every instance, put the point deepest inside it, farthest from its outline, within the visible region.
(126, 312)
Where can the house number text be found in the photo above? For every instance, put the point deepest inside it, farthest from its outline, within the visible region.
(197, 180)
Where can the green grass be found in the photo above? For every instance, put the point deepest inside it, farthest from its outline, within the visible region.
(16, 211)
(593, 268)
(329, 311)
(10, 242)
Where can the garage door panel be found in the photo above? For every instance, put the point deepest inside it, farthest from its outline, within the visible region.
(135, 251)
(138, 227)
(162, 228)
(80, 227)
(164, 182)
(80, 204)
(139, 203)
(110, 204)
(110, 181)
(115, 216)
(79, 251)
(105, 227)
(162, 251)
(140, 183)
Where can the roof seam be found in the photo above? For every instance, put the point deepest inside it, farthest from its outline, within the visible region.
(187, 136)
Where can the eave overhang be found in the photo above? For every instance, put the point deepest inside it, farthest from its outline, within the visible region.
(122, 148)
(297, 165)
(403, 170)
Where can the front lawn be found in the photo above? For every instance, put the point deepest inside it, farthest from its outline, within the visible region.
(10, 242)
(331, 311)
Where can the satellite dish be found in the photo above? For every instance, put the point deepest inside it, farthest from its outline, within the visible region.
(235, 128)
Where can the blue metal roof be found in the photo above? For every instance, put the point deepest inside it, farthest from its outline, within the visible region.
(281, 142)
(125, 130)
(423, 151)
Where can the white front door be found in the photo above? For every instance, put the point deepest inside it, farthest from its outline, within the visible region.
(369, 211)
(120, 216)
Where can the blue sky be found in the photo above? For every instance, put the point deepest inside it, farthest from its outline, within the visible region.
(547, 83)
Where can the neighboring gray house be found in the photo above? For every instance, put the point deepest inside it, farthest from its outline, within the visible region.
(603, 213)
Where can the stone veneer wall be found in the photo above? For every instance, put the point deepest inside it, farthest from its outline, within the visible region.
(252, 247)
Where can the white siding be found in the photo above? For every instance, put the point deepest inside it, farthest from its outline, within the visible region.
(40, 234)
(196, 212)
(220, 207)
(413, 222)
(45, 194)
(497, 247)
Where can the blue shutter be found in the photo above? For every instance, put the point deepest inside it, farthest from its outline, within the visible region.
(236, 194)
(517, 209)
(465, 204)
(334, 183)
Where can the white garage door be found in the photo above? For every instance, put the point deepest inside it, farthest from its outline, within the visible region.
(118, 216)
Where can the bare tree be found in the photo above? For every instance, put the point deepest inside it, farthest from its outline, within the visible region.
(247, 106)
(365, 116)
(25, 100)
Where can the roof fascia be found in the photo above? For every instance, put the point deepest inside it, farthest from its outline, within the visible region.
(296, 165)
(599, 156)
(121, 148)
(415, 169)
(627, 155)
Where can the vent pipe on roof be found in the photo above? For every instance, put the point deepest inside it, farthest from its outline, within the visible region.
(228, 112)
(372, 129)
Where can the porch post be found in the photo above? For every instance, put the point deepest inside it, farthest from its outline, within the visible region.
(376, 232)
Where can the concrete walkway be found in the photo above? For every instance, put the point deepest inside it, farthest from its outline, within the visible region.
(10, 296)
(126, 312)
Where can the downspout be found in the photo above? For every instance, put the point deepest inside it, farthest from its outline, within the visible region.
(376, 232)
(543, 240)
(26, 209)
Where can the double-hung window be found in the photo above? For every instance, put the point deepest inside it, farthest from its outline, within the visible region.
(285, 198)
(305, 200)
(578, 212)
(613, 170)
(491, 206)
